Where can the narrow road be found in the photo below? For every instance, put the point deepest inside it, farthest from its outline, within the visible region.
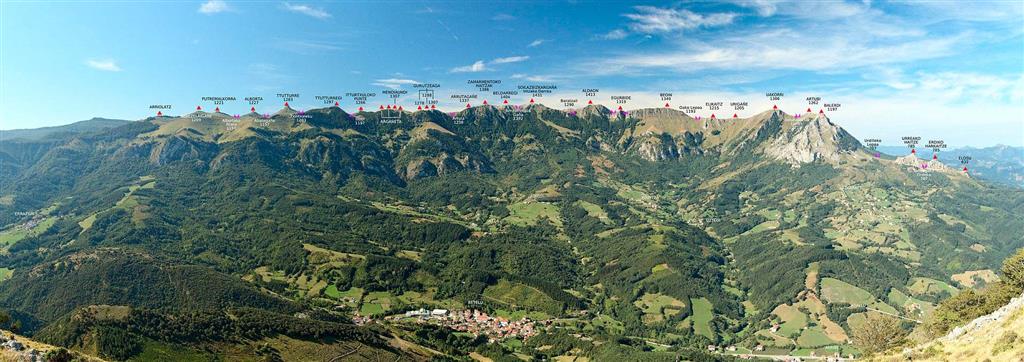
(785, 358)
(346, 354)
(894, 315)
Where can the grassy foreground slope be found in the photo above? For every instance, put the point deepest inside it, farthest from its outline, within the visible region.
(998, 336)
(974, 326)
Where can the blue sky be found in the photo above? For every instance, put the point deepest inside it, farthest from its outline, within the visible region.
(938, 69)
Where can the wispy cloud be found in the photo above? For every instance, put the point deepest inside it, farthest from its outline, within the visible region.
(797, 53)
(806, 9)
(514, 59)
(480, 65)
(652, 20)
(503, 17)
(448, 30)
(857, 37)
(960, 86)
(763, 7)
(477, 66)
(307, 10)
(213, 7)
(108, 65)
(393, 83)
(616, 34)
(536, 43)
(307, 46)
(267, 73)
(534, 78)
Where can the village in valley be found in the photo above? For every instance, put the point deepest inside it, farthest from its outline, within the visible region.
(470, 321)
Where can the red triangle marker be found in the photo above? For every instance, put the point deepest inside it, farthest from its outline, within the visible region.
(734, 115)
(399, 108)
(712, 115)
(913, 151)
(935, 157)
(217, 110)
(531, 100)
(485, 102)
(432, 106)
(965, 168)
(821, 111)
(620, 108)
(253, 109)
(775, 107)
(590, 101)
(286, 104)
(199, 108)
(809, 110)
(159, 114)
(467, 105)
(505, 102)
(360, 109)
(666, 105)
(336, 104)
(382, 108)
(419, 108)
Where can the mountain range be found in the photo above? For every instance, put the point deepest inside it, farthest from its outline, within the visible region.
(35, 134)
(624, 235)
(1001, 163)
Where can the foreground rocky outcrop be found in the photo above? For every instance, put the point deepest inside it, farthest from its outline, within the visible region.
(15, 348)
(998, 336)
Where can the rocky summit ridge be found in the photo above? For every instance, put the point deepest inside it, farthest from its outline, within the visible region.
(432, 142)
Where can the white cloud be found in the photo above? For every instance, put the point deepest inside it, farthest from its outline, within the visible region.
(267, 74)
(534, 78)
(763, 7)
(318, 13)
(951, 86)
(931, 114)
(477, 66)
(888, 76)
(514, 59)
(394, 83)
(986, 11)
(806, 9)
(536, 43)
(503, 17)
(108, 65)
(960, 87)
(616, 34)
(652, 20)
(307, 46)
(213, 7)
(786, 49)
(480, 65)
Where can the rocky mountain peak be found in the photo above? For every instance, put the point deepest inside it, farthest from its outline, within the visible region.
(593, 110)
(660, 113)
(286, 111)
(814, 139)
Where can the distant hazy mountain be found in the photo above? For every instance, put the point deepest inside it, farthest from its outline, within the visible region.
(1001, 163)
(89, 125)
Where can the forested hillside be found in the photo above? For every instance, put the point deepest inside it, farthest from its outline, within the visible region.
(646, 235)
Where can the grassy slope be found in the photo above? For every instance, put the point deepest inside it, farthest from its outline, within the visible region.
(1002, 339)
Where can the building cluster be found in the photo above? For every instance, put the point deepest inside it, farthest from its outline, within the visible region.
(361, 320)
(476, 322)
